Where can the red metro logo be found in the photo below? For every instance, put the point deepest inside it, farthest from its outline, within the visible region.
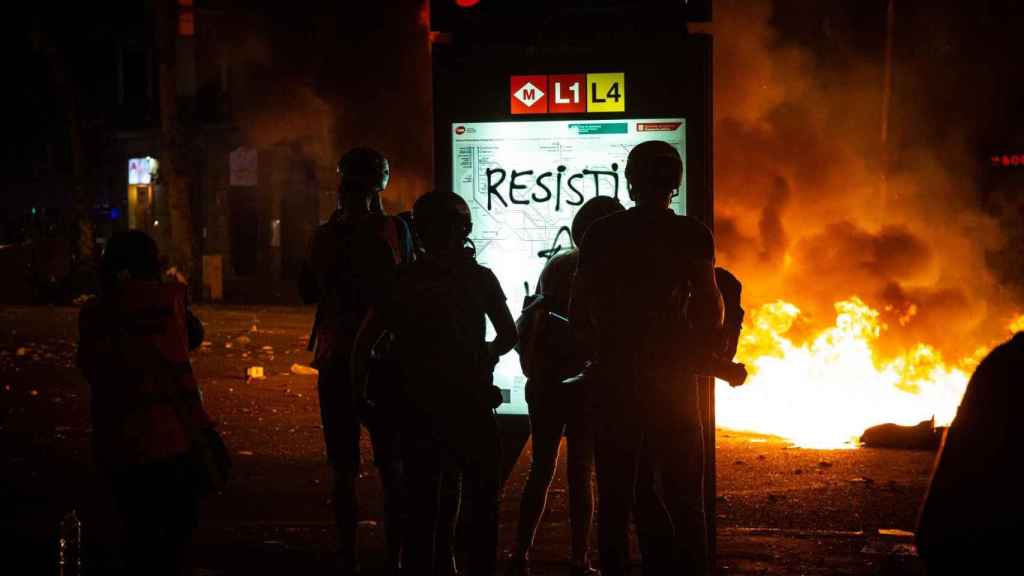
(529, 94)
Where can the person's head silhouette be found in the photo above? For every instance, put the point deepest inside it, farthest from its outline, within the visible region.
(593, 210)
(129, 255)
(364, 175)
(654, 171)
(442, 221)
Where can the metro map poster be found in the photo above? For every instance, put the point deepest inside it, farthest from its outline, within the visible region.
(525, 181)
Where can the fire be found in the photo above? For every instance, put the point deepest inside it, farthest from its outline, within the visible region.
(825, 392)
(1017, 325)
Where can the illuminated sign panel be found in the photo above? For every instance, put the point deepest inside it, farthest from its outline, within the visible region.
(524, 182)
(528, 94)
(567, 93)
(606, 92)
(141, 170)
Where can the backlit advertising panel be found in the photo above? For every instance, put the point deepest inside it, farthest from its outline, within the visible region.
(524, 182)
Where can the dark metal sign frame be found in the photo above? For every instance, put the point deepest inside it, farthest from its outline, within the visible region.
(666, 75)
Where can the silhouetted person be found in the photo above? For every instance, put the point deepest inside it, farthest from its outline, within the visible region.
(353, 259)
(551, 356)
(437, 312)
(655, 530)
(451, 484)
(646, 302)
(134, 341)
(972, 516)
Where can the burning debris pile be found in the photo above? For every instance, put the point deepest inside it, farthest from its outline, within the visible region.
(869, 292)
(826, 391)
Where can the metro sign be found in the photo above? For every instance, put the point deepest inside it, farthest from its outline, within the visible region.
(568, 93)
(528, 94)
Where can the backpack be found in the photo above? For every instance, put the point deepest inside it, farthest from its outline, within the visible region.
(547, 347)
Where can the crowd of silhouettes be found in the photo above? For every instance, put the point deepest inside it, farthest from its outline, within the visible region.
(614, 343)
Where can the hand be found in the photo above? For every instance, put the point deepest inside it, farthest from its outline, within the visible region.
(734, 373)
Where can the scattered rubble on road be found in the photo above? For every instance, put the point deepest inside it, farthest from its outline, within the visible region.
(303, 370)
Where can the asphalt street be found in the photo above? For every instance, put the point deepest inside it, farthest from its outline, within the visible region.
(781, 509)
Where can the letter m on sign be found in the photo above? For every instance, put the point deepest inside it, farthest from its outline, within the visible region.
(527, 94)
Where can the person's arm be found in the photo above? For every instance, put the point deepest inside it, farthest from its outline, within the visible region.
(501, 318)
(369, 332)
(406, 246)
(706, 312)
(582, 321)
(707, 309)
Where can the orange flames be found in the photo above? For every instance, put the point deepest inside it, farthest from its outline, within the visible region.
(823, 393)
(803, 220)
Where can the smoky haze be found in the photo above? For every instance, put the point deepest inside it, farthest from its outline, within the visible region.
(331, 77)
(802, 213)
(803, 210)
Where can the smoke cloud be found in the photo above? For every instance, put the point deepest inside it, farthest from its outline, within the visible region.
(339, 77)
(806, 212)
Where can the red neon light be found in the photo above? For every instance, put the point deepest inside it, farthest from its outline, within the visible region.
(1006, 160)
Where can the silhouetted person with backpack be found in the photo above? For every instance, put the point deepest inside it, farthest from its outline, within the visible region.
(146, 407)
(971, 519)
(550, 356)
(646, 302)
(352, 264)
(437, 311)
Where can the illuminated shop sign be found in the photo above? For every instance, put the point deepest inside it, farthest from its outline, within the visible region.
(142, 170)
(1007, 160)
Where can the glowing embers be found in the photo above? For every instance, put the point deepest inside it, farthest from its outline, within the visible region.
(823, 393)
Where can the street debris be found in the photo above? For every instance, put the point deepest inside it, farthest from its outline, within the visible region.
(882, 548)
(922, 436)
(895, 533)
(243, 340)
(21, 351)
(255, 372)
(303, 370)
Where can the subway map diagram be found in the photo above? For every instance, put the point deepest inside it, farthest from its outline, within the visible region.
(524, 183)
